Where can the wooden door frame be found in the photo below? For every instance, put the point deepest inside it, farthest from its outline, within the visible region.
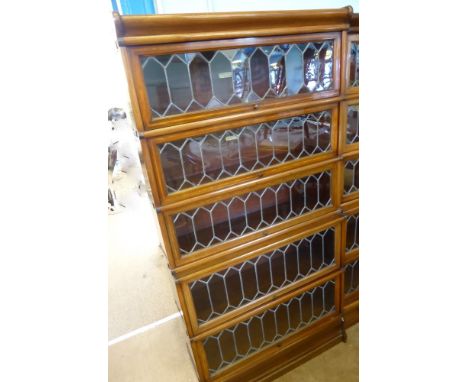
(133, 59)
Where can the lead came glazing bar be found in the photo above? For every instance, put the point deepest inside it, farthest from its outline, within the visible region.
(352, 232)
(293, 261)
(198, 160)
(248, 337)
(187, 82)
(231, 218)
(351, 176)
(351, 278)
(354, 65)
(352, 128)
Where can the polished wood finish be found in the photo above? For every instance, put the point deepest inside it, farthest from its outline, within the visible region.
(171, 124)
(140, 36)
(149, 29)
(349, 89)
(287, 354)
(343, 146)
(349, 156)
(291, 236)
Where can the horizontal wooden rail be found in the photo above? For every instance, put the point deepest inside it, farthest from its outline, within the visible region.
(161, 29)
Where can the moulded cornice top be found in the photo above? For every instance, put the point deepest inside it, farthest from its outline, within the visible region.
(160, 29)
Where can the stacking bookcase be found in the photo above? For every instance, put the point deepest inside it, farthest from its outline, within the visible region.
(249, 132)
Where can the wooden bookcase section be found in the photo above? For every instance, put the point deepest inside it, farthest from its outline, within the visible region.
(249, 128)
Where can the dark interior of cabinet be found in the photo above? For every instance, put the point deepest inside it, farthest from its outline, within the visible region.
(194, 81)
(235, 286)
(247, 213)
(246, 338)
(198, 160)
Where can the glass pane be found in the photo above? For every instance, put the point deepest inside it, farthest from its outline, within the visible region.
(248, 337)
(179, 83)
(354, 65)
(221, 77)
(351, 176)
(197, 160)
(156, 85)
(200, 76)
(233, 287)
(240, 74)
(259, 73)
(352, 128)
(186, 82)
(277, 72)
(318, 62)
(294, 70)
(351, 277)
(231, 218)
(352, 232)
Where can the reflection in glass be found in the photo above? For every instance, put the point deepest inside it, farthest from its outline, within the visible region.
(277, 72)
(197, 160)
(352, 232)
(294, 70)
(354, 65)
(187, 82)
(318, 67)
(251, 335)
(351, 277)
(233, 287)
(156, 85)
(200, 76)
(351, 176)
(230, 218)
(259, 73)
(240, 75)
(222, 78)
(179, 84)
(352, 127)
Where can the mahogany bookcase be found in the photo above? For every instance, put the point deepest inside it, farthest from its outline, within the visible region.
(249, 132)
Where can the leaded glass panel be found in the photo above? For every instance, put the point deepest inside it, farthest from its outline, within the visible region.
(351, 176)
(237, 216)
(186, 82)
(352, 232)
(352, 127)
(354, 65)
(233, 287)
(197, 160)
(351, 277)
(258, 332)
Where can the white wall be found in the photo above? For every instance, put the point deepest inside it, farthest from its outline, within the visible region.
(188, 6)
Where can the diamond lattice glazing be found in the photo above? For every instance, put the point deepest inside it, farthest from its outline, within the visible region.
(187, 82)
(352, 232)
(351, 176)
(197, 160)
(248, 337)
(233, 287)
(237, 216)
